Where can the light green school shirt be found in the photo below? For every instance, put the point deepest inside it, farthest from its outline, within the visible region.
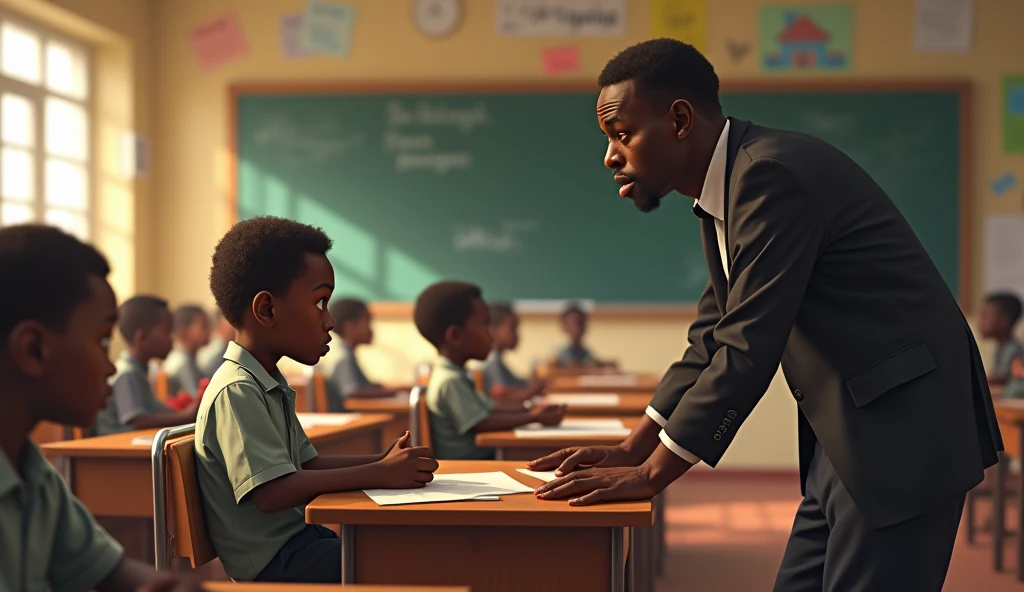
(246, 435)
(455, 408)
(48, 540)
(130, 396)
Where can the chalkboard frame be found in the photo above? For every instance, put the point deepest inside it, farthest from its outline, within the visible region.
(404, 309)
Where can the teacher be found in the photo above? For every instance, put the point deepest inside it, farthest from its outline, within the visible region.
(811, 265)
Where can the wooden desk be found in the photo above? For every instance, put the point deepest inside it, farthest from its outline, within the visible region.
(508, 446)
(644, 383)
(1010, 415)
(396, 407)
(515, 544)
(630, 405)
(257, 587)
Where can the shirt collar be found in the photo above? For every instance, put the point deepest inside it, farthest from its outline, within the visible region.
(130, 360)
(712, 195)
(243, 358)
(443, 362)
(33, 464)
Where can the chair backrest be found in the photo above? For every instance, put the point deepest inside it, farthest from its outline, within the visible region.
(423, 370)
(186, 522)
(478, 378)
(419, 417)
(160, 388)
(318, 385)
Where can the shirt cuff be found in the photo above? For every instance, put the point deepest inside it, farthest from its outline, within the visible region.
(658, 419)
(679, 450)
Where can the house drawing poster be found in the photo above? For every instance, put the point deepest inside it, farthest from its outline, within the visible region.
(814, 38)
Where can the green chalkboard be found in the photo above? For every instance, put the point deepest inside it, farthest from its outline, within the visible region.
(508, 189)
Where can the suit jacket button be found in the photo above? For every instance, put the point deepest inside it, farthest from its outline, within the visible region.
(798, 395)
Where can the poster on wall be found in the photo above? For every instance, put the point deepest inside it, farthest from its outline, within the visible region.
(806, 38)
(685, 20)
(561, 18)
(327, 27)
(290, 26)
(1013, 113)
(218, 42)
(943, 25)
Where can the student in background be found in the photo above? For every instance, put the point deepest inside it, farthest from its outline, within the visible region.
(454, 318)
(352, 325)
(999, 316)
(499, 381)
(191, 332)
(55, 330)
(257, 469)
(145, 324)
(210, 357)
(575, 354)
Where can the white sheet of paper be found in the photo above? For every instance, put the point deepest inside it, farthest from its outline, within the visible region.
(574, 428)
(308, 420)
(581, 399)
(606, 380)
(142, 441)
(451, 487)
(545, 476)
(1004, 243)
(943, 25)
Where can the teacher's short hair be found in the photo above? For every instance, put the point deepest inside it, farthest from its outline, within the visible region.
(666, 67)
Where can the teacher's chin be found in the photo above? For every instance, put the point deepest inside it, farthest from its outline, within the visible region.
(811, 266)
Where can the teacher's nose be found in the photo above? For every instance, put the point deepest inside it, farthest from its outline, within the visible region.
(613, 159)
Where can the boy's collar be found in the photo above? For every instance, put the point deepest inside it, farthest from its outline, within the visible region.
(32, 461)
(243, 358)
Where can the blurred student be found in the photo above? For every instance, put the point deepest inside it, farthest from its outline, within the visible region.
(55, 331)
(211, 356)
(191, 332)
(999, 317)
(499, 381)
(257, 469)
(454, 318)
(145, 324)
(575, 354)
(352, 324)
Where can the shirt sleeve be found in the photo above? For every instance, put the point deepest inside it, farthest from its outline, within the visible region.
(306, 450)
(492, 376)
(464, 406)
(83, 553)
(677, 449)
(253, 451)
(130, 391)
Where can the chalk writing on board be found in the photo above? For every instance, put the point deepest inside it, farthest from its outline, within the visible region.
(312, 141)
(397, 141)
(818, 123)
(475, 237)
(437, 114)
(438, 162)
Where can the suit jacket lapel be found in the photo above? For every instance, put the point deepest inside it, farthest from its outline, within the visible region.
(737, 129)
(709, 235)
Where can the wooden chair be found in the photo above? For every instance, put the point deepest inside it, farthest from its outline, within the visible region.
(423, 370)
(179, 524)
(419, 417)
(160, 388)
(478, 378)
(318, 384)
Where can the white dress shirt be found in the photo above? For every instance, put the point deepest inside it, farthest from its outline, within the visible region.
(712, 201)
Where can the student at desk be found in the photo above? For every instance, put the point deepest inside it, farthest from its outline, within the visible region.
(454, 318)
(55, 329)
(999, 316)
(145, 324)
(352, 324)
(499, 381)
(575, 354)
(191, 332)
(257, 469)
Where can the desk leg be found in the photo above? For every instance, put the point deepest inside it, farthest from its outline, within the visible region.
(999, 511)
(499, 453)
(659, 534)
(348, 554)
(621, 572)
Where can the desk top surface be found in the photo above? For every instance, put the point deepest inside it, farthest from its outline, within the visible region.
(508, 438)
(521, 509)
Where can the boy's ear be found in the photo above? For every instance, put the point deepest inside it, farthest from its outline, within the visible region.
(263, 308)
(138, 335)
(29, 349)
(453, 334)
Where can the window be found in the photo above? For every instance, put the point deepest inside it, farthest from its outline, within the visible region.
(45, 140)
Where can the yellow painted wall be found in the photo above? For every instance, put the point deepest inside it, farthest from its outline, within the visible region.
(190, 206)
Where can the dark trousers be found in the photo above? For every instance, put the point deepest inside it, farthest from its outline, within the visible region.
(832, 547)
(313, 555)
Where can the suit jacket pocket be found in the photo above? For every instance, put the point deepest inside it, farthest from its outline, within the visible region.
(894, 369)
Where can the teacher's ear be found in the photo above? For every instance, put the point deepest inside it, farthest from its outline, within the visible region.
(682, 116)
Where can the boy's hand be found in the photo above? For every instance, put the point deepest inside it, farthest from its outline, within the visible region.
(402, 442)
(549, 415)
(407, 468)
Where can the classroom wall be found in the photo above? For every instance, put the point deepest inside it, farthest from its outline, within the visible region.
(190, 206)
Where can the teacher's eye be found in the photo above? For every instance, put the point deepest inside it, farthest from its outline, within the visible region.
(622, 136)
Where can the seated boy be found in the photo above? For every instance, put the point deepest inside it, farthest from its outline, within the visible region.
(55, 328)
(352, 324)
(453, 317)
(210, 357)
(191, 332)
(999, 316)
(575, 354)
(145, 324)
(257, 469)
(499, 381)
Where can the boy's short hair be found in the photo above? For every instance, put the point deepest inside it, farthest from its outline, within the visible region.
(500, 312)
(265, 253)
(139, 313)
(1008, 305)
(573, 308)
(45, 272)
(443, 305)
(347, 310)
(186, 315)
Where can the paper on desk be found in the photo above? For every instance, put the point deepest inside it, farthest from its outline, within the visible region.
(581, 399)
(142, 441)
(606, 380)
(573, 428)
(308, 420)
(451, 487)
(545, 476)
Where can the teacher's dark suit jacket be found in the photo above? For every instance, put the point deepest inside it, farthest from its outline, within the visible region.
(827, 277)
